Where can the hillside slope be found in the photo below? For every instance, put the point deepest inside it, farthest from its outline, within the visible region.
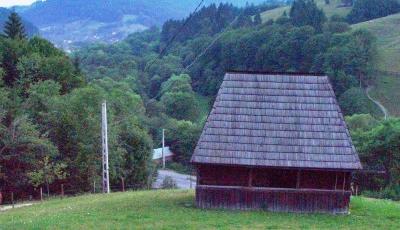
(175, 210)
(329, 9)
(76, 21)
(387, 32)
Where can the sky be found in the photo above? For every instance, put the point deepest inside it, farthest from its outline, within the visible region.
(7, 3)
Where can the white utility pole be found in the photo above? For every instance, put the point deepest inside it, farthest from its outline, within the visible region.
(163, 146)
(104, 138)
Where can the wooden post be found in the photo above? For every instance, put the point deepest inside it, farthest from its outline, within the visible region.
(298, 179)
(335, 180)
(344, 181)
(190, 178)
(94, 186)
(62, 191)
(41, 194)
(250, 184)
(162, 150)
(123, 184)
(12, 199)
(356, 190)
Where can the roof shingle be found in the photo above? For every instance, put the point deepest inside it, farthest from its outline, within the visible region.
(276, 120)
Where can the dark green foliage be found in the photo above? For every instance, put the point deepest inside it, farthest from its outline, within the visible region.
(355, 101)
(182, 138)
(257, 19)
(363, 122)
(364, 10)
(30, 29)
(50, 122)
(379, 149)
(180, 105)
(306, 12)
(14, 28)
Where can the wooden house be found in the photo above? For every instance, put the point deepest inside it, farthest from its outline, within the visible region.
(276, 142)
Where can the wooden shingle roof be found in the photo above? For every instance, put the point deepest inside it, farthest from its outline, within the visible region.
(270, 120)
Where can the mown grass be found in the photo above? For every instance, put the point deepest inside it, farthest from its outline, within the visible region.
(387, 91)
(329, 10)
(175, 210)
(387, 33)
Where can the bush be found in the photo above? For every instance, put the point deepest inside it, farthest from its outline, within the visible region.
(392, 193)
(355, 101)
(168, 183)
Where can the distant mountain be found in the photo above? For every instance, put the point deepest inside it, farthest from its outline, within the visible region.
(29, 27)
(68, 23)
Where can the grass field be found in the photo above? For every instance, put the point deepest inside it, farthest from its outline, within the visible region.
(387, 33)
(175, 210)
(329, 10)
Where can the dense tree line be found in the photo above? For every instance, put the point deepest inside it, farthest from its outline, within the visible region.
(364, 10)
(378, 144)
(50, 121)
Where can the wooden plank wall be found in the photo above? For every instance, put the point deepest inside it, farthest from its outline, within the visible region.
(277, 200)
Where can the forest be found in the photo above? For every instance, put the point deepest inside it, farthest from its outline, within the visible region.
(168, 78)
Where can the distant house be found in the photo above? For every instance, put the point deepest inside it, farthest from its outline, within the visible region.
(276, 142)
(157, 154)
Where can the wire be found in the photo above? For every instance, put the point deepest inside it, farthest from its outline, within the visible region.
(212, 43)
(169, 43)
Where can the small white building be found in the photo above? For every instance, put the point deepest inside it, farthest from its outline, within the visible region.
(157, 154)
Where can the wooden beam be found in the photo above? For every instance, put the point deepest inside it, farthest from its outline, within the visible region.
(250, 184)
(298, 179)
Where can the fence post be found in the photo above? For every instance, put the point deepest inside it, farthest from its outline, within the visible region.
(123, 184)
(94, 186)
(62, 191)
(41, 194)
(12, 199)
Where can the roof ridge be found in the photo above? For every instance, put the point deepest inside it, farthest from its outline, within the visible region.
(275, 73)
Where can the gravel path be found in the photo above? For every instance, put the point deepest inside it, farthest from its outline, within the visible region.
(183, 181)
(384, 110)
(8, 207)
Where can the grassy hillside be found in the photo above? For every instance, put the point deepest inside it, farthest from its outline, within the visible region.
(387, 32)
(175, 210)
(329, 10)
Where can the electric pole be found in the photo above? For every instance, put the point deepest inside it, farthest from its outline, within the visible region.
(163, 146)
(105, 172)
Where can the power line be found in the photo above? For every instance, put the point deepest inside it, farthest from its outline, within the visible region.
(169, 43)
(212, 42)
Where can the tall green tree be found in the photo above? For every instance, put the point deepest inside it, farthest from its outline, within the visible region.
(14, 28)
(306, 12)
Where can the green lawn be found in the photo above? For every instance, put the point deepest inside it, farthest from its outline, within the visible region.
(175, 210)
(387, 91)
(387, 33)
(329, 10)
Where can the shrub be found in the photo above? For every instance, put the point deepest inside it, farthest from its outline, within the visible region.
(168, 183)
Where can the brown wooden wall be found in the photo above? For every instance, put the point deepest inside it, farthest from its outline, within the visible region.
(277, 200)
(273, 177)
(272, 189)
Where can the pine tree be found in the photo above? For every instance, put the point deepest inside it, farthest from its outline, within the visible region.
(257, 19)
(14, 28)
